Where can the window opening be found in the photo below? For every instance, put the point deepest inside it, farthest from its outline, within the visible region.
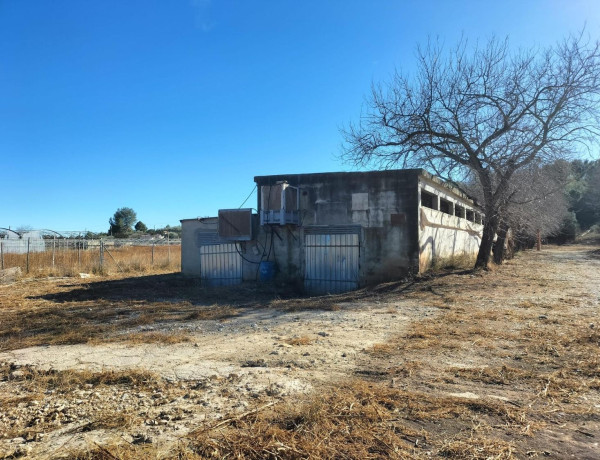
(446, 206)
(428, 200)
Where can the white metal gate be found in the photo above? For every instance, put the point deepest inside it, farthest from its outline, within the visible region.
(331, 261)
(220, 265)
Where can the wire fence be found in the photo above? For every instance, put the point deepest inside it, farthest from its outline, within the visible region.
(72, 256)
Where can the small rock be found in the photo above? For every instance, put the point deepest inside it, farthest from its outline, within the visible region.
(14, 375)
(22, 451)
(255, 363)
(543, 317)
(141, 439)
(323, 334)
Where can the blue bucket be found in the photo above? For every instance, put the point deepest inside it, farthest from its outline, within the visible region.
(267, 271)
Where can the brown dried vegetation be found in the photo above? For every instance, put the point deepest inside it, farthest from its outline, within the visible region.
(507, 368)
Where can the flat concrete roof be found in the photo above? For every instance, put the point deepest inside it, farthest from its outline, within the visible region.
(324, 175)
(261, 180)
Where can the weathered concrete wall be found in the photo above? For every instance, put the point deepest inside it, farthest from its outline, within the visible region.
(190, 242)
(442, 235)
(383, 203)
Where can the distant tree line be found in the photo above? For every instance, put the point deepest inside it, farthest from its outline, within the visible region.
(125, 224)
(559, 201)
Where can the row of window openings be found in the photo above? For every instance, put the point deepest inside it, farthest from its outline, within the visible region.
(429, 200)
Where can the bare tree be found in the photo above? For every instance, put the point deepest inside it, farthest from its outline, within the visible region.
(485, 111)
(535, 202)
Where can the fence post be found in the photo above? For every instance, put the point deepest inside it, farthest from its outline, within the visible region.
(101, 253)
(168, 250)
(153, 253)
(53, 250)
(79, 243)
(28, 241)
(1, 255)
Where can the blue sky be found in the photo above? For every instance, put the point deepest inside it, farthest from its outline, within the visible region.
(172, 107)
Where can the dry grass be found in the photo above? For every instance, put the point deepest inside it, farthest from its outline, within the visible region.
(298, 341)
(357, 420)
(507, 368)
(165, 338)
(36, 385)
(79, 311)
(380, 349)
(456, 262)
(70, 262)
(476, 448)
(64, 381)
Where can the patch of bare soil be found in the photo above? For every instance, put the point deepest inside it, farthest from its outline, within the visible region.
(502, 364)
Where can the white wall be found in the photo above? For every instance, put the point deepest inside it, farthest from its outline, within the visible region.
(442, 235)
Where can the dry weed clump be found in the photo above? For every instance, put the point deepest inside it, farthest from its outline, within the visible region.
(381, 349)
(455, 262)
(299, 341)
(69, 379)
(353, 422)
(474, 448)
(503, 375)
(166, 338)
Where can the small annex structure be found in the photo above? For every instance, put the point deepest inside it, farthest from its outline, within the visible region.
(334, 232)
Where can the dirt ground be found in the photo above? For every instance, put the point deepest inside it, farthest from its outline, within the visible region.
(499, 364)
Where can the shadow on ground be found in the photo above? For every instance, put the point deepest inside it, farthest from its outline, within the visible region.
(171, 287)
(108, 310)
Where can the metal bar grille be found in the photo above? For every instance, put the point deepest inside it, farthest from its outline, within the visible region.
(331, 262)
(220, 265)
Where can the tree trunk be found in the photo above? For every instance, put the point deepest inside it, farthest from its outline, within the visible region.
(499, 247)
(487, 241)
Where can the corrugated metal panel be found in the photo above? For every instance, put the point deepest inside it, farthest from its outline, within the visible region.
(220, 265)
(331, 262)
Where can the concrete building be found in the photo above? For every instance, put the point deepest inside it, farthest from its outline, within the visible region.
(334, 232)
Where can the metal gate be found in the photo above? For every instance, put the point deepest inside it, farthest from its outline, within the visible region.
(331, 260)
(220, 265)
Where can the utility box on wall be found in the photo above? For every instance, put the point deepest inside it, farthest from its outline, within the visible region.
(235, 224)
